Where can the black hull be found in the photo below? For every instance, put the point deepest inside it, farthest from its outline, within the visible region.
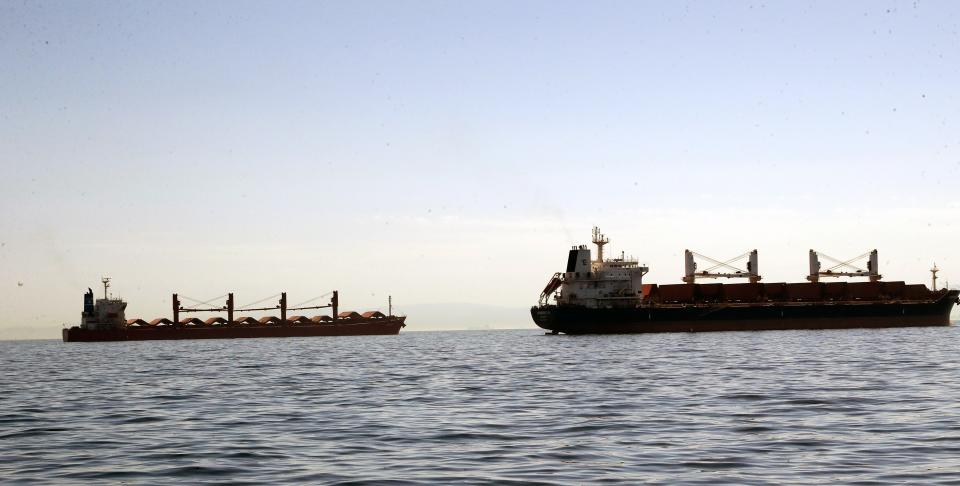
(381, 327)
(746, 317)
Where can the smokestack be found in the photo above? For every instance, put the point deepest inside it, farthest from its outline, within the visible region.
(176, 310)
(335, 304)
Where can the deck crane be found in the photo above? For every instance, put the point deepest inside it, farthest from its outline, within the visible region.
(844, 268)
(230, 307)
(751, 272)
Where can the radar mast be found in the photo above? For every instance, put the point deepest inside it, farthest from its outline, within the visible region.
(599, 240)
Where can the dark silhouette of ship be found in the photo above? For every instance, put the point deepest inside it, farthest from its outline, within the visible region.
(104, 320)
(609, 296)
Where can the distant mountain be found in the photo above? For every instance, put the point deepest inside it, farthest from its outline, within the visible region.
(451, 316)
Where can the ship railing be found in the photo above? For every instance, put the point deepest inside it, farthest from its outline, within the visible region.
(621, 260)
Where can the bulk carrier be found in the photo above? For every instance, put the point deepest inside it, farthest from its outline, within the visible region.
(104, 320)
(608, 296)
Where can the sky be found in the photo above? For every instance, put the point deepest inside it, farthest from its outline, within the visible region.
(449, 153)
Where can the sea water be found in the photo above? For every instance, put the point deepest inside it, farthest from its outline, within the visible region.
(851, 406)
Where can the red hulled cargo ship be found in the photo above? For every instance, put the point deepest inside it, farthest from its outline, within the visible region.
(104, 320)
(609, 296)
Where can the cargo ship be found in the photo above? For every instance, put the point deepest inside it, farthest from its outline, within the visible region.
(104, 320)
(601, 296)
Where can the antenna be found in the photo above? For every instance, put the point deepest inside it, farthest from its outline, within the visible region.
(106, 284)
(599, 240)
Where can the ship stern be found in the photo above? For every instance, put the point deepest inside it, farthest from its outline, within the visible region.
(543, 316)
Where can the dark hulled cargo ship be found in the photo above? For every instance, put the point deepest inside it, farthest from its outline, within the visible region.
(608, 296)
(104, 320)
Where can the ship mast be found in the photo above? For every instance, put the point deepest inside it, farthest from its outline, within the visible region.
(106, 284)
(933, 272)
(599, 240)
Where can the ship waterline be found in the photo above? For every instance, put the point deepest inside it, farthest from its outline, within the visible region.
(386, 326)
(769, 317)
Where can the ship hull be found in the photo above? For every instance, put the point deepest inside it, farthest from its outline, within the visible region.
(389, 326)
(570, 319)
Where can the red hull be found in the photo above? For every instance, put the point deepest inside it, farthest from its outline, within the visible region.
(380, 327)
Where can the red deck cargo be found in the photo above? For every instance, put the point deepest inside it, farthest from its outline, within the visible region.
(892, 290)
(863, 290)
(916, 292)
(649, 291)
(747, 292)
(775, 291)
(710, 292)
(806, 291)
(676, 293)
(834, 290)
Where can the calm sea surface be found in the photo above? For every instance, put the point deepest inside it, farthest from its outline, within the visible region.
(856, 406)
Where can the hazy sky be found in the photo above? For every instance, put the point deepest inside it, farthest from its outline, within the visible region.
(450, 152)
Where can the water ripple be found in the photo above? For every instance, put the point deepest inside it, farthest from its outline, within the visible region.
(510, 407)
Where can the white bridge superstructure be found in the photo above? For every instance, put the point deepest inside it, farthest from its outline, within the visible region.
(104, 314)
(600, 283)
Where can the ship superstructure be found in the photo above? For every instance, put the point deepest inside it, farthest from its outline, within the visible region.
(103, 314)
(609, 296)
(612, 282)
